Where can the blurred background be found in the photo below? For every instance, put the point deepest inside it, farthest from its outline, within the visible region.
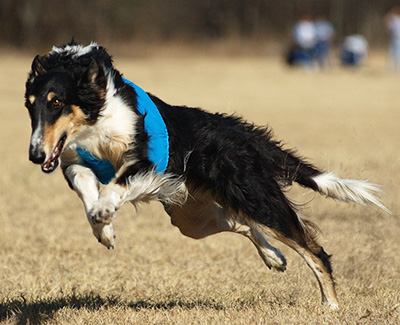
(268, 24)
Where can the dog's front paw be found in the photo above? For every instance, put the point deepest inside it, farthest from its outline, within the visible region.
(104, 209)
(105, 234)
(103, 214)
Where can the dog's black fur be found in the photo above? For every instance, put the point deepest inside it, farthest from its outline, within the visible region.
(231, 169)
(238, 162)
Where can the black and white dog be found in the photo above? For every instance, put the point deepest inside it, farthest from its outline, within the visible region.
(212, 172)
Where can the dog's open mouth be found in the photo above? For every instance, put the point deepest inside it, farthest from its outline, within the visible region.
(52, 163)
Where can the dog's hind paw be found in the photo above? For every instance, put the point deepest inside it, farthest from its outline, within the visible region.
(274, 259)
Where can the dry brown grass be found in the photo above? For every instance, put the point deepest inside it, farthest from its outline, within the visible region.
(53, 270)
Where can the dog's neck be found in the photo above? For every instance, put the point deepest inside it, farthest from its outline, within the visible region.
(117, 127)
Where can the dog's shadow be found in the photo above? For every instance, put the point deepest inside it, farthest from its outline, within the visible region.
(43, 309)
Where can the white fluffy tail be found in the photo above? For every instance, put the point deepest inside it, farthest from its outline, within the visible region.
(347, 190)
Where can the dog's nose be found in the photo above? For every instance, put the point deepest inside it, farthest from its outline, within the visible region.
(37, 156)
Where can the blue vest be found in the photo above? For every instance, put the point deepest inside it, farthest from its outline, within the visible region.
(158, 144)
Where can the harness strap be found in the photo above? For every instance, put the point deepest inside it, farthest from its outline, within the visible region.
(103, 169)
(158, 145)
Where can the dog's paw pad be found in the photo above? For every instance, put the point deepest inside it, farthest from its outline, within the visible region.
(102, 215)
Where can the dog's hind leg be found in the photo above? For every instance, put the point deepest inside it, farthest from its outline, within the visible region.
(200, 217)
(271, 256)
(273, 212)
(316, 258)
(85, 184)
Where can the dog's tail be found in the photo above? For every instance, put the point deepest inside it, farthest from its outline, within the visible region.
(327, 183)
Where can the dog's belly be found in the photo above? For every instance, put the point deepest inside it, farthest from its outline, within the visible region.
(199, 217)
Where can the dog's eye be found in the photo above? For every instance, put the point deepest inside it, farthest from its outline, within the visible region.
(56, 103)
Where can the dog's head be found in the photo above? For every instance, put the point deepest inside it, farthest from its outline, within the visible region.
(65, 91)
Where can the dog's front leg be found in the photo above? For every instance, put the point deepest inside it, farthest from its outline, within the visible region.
(140, 187)
(110, 200)
(119, 191)
(86, 185)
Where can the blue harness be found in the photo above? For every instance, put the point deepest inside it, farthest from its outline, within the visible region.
(158, 144)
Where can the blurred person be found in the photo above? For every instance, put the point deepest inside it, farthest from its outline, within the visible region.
(354, 50)
(305, 39)
(324, 34)
(392, 21)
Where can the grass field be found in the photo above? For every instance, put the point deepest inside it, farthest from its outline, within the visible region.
(53, 270)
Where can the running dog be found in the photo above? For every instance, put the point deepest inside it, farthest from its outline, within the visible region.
(212, 172)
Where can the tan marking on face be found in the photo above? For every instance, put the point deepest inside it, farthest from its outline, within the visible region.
(32, 99)
(69, 124)
(52, 133)
(78, 118)
(50, 96)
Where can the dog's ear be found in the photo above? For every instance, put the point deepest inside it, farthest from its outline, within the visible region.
(37, 69)
(94, 75)
(94, 72)
(91, 87)
(37, 66)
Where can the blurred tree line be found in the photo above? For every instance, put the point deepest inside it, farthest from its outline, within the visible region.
(26, 23)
